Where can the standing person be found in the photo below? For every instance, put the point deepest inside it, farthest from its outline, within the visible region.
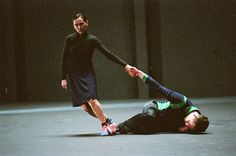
(177, 114)
(78, 71)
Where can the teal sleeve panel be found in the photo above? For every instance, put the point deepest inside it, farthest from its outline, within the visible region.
(145, 77)
(191, 109)
(168, 104)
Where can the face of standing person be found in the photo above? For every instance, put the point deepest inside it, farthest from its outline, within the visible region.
(80, 25)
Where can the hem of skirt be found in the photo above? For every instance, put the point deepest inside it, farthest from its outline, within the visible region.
(85, 101)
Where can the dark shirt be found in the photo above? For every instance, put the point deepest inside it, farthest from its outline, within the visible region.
(171, 113)
(78, 52)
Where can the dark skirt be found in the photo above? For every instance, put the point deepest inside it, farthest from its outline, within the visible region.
(83, 87)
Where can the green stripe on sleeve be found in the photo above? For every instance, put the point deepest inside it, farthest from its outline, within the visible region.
(163, 105)
(191, 109)
(179, 105)
(145, 77)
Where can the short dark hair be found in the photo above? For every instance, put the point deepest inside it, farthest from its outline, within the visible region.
(80, 15)
(202, 123)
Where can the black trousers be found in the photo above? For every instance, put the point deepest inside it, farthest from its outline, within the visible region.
(141, 123)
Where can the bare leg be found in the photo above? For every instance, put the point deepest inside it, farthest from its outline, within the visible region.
(97, 110)
(88, 109)
(108, 127)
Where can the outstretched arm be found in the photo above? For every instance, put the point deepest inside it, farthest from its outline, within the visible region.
(111, 56)
(170, 95)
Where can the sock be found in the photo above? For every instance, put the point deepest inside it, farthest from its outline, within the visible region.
(103, 124)
(109, 121)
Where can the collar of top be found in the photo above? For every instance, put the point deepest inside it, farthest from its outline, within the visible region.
(82, 35)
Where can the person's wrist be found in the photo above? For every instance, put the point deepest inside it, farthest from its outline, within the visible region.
(127, 66)
(143, 76)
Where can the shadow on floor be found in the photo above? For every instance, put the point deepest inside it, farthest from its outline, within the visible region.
(82, 135)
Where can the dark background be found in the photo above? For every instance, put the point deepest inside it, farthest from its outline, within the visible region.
(189, 46)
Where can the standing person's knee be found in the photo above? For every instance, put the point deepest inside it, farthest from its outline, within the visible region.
(93, 102)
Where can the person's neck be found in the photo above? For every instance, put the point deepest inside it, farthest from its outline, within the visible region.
(83, 34)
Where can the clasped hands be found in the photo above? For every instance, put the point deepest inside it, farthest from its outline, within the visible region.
(132, 71)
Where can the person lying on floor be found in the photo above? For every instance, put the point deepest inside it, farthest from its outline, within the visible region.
(177, 114)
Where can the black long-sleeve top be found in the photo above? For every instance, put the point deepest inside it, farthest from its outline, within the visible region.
(173, 111)
(78, 52)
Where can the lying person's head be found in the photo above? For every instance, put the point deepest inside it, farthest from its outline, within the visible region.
(196, 123)
(201, 124)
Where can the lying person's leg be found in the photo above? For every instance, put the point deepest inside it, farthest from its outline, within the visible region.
(141, 123)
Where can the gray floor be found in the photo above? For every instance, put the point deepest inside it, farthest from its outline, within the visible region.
(59, 129)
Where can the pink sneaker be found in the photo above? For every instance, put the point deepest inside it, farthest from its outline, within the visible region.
(106, 130)
(113, 128)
